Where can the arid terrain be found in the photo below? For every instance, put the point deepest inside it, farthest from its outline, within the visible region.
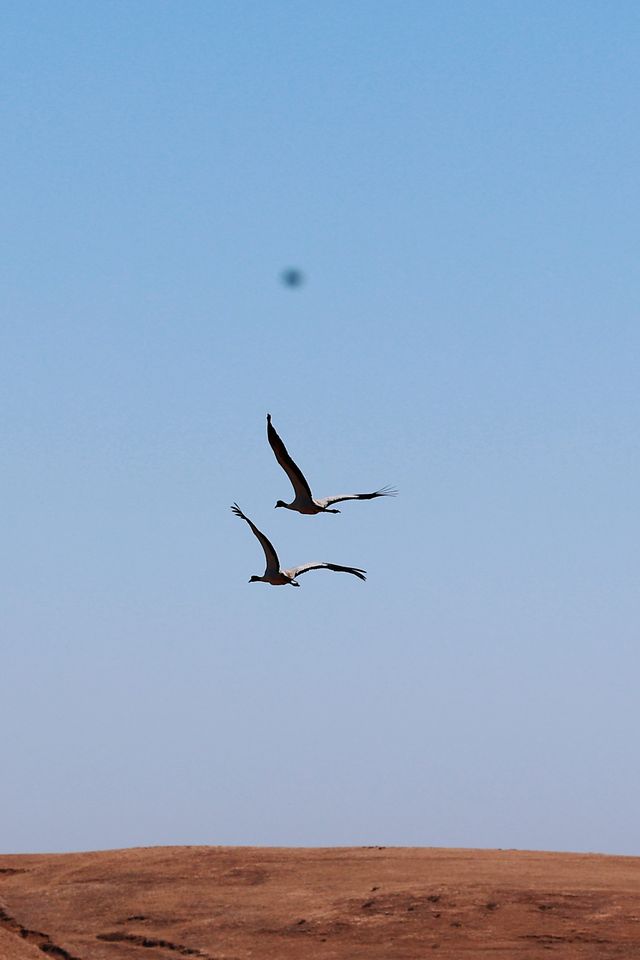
(233, 903)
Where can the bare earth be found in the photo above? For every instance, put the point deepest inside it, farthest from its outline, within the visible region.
(232, 903)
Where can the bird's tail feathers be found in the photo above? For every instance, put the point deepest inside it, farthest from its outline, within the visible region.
(387, 491)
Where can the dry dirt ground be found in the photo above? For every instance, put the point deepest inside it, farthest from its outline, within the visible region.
(234, 903)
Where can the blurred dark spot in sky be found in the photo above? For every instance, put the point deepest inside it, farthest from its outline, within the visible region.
(292, 277)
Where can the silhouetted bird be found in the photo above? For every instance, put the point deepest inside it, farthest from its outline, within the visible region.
(277, 577)
(304, 502)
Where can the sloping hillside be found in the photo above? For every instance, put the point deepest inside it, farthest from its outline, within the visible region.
(222, 903)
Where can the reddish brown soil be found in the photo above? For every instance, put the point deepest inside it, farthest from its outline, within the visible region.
(222, 903)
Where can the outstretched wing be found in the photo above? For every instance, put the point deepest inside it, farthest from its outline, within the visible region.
(297, 571)
(273, 564)
(300, 486)
(383, 492)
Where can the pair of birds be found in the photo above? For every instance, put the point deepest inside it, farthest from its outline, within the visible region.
(303, 502)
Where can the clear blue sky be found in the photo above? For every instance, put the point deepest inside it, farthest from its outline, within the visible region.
(459, 183)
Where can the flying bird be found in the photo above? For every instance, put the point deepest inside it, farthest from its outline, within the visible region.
(304, 501)
(277, 577)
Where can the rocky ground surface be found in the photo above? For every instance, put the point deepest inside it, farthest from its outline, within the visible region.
(222, 903)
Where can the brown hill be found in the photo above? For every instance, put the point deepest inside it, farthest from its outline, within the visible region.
(233, 903)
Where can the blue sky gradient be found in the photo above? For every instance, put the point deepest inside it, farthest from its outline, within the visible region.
(459, 184)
